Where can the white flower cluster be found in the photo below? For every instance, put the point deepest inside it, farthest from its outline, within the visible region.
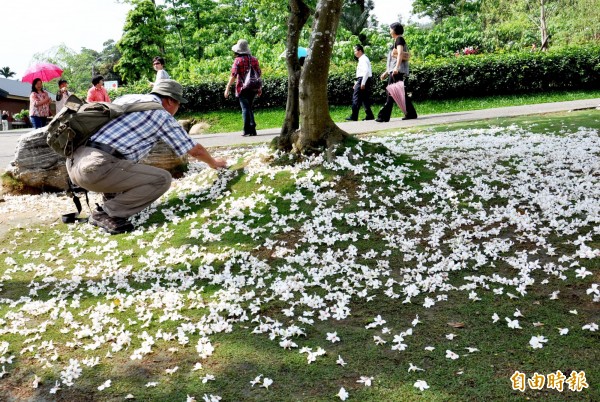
(498, 198)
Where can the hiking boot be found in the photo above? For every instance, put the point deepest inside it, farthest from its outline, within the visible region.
(112, 225)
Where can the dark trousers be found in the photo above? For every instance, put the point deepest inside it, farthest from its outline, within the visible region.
(386, 111)
(38, 122)
(246, 99)
(362, 97)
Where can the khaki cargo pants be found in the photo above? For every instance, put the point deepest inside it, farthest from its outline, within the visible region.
(135, 186)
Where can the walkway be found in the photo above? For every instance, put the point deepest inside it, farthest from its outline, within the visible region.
(8, 140)
(363, 127)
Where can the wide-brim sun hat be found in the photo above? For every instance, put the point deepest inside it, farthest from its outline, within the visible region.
(241, 47)
(170, 88)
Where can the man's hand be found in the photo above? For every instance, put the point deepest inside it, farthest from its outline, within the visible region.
(362, 87)
(200, 153)
(218, 164)
(384, 75)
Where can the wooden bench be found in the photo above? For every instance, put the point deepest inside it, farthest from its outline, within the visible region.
(18, 124)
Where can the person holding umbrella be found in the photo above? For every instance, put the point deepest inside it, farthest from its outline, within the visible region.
(397, 70)
(39, 104)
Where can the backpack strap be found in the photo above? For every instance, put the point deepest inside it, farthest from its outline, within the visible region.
(72, 192)
(141, 107)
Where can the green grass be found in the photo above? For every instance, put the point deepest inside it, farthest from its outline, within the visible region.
(240, 355)
(224, 121)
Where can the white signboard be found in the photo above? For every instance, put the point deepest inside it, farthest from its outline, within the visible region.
(111, 85)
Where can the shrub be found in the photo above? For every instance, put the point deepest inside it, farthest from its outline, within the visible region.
(445, 78)
(509, 73)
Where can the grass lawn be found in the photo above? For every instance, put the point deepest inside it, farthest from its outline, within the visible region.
(430, 265)
(223, 121)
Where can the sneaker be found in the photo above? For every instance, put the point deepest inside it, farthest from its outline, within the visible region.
(110, 224)
(380, 120)
(409, 117)
(350, 118)
(369, 118)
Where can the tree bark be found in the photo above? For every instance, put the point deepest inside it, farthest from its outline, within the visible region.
(299, 13)
(319, 132)
(543, 28)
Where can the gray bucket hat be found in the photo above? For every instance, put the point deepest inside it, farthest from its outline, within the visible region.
(241, 47)
(170, 88)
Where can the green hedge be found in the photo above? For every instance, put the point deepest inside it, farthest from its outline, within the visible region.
(510, 73)
(463, 76)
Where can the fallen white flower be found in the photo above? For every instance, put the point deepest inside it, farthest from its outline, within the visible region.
(537, 342)
(342, 394)
(421, 385)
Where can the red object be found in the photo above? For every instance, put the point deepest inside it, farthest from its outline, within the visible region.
(396, 91)
(44, 71)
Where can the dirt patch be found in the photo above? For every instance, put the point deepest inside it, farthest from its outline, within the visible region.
(21, 211)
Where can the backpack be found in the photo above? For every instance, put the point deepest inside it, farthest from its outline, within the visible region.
(252, 81)
(77, 121)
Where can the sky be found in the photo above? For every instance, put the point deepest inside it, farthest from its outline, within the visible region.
(89, 23)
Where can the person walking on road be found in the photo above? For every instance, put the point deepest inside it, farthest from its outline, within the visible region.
(363, 85)
(396, 70)
(244, 61)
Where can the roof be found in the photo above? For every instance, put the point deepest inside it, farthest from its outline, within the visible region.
(14, 88)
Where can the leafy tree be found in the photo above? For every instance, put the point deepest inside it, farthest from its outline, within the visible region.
(355, 17)
(440, 9)
(143, 38)
(6, 72)
(187, 21)
(445, 38)
(106, 61)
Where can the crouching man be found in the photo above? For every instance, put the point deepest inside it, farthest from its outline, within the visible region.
(108, 162)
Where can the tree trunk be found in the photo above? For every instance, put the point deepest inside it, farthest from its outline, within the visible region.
(319, 132)
(543, 28)
(299, 13)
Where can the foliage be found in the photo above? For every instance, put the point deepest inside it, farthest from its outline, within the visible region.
(515, 23)
(143, 38)
(446, 38)
(6, 72)
(78, 68)
(439, 10)
(474, 75)
(21, 115)
(567, 68)
(355, 17)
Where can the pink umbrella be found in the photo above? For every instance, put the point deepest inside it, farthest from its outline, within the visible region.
(396, 91)
(44, 71)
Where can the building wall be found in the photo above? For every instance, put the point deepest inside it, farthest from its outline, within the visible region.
(13, 105)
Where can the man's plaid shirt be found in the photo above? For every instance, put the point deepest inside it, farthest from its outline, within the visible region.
(135, 134)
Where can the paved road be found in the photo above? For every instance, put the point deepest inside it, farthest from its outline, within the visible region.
(8, 140)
